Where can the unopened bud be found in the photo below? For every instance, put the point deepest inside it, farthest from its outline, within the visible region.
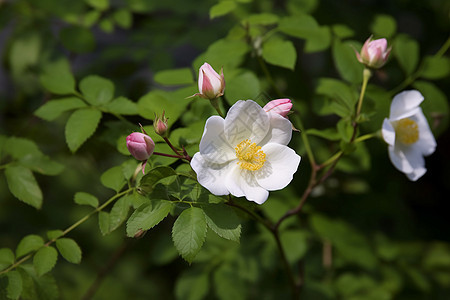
(140, 145)
(160, 124)
(374, 54)
(211, 85)
(279, 106)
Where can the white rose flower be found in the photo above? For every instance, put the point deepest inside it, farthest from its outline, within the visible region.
(245, 154)
(408, 135)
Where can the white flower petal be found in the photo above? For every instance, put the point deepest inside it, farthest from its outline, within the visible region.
(213, 145)
(388, 132)
(234, 179)
(399, 161)
(416, 174)
(242, 182)
(405, 104)
(414, 157)
(278, 170)
(209, 175)
(426, 142)
(246, 120)
(280, 130)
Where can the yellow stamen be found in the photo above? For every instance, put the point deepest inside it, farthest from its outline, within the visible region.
(250, 156)
(407, 131)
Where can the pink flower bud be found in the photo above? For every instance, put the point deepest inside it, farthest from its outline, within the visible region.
(279, 106)
(140, 145)
(160, 124)
(210, 84)
(374, 54)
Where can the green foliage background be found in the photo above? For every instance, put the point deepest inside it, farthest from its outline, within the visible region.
(389, 237)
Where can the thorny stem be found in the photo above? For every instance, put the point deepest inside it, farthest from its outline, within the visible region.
(69, 229)
(184, 156)
(171, 146)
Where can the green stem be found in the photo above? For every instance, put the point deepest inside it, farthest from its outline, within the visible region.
(269, 76)
(186, 157)
(5, 165)
(366, 77)
(215, 104)
(443, 49)
(305, 140)
(69, 229)
(171, 146)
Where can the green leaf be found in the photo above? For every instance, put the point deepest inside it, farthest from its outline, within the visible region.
(21, 147)
(319, 41)
(147, 216)
(328, 133)
(106, 25)
(302, 26)
(228, 284)
(223, 220)
(80, 126)
(305, 27)
(57, 77)
(54, 234)
(346, 62)
(44, 260)
(435, 67)
(97, 90)
(243, 86)
(6, 258)
(34, 287)
(113, 178)
(221, 8)
(383, 26)
(122, 106)
(41, 164)
(28, 244)
(23, 185)
(224, 52)
(103, 222)
(82, 198)
(280, 53)
(91, 17)
(15, 286)
(350, 244)
(54, 108)
(69, 249)
(154, 176)
(98, 4)
(157, 101)
(406, 50)
(342, 31)
(192, 285)
(128, 168)
(188, 232)
(77, 39)
(343, 96)
(295, 244)
(262, 19)
(123, 18)
(119, 212)
(174, 77)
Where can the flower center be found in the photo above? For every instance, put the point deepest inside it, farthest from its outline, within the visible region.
(250, 156)
(407, 131)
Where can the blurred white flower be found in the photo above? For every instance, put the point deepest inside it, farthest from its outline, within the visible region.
(408, 135)
(245, 154)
